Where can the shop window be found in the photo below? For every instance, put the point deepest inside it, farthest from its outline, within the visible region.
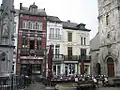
(31, 44)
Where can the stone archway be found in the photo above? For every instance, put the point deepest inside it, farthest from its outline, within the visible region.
(110, 67)
(98, 69)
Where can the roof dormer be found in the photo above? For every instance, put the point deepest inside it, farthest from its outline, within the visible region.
(81, 26)
(33, 8)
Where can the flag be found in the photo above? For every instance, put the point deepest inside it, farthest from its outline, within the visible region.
(50, 56)
(82, 66)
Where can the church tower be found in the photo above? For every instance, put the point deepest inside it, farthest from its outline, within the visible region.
(109, 31)
(6, 40)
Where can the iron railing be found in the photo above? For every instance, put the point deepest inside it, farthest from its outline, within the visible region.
(58, 57)
(55, 36)
(10, 83)
(77, 57)
(74, 57)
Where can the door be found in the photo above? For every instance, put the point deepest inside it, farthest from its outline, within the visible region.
(110, 66)
(98, 69)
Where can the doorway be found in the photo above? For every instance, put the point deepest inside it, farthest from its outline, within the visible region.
(110, 67)
(98, 69)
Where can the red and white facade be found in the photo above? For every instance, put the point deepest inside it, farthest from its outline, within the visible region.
(31, 43)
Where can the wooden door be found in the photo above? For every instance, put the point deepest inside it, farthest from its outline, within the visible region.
(110, 66)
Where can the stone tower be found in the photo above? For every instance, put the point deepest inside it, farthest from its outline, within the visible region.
(6, 37)
(109, 31)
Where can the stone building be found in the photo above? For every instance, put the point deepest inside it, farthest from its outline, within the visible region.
(109, 34)
(94, 51)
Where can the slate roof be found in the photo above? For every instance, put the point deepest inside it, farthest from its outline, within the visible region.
(75, 26)
(53, 19)
(40, 12)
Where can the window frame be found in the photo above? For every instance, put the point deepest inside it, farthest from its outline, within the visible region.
(69, 36)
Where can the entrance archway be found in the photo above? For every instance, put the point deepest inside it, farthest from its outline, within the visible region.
(110, 67)
(98, 68)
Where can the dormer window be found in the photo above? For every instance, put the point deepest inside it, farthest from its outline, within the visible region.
(81, 26)
(33, 8)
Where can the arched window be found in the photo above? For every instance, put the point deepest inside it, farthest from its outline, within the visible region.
(40, 26)
(30, 25)
(34, 26)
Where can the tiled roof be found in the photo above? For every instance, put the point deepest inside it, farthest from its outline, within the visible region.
(53, 19)
(75, 26)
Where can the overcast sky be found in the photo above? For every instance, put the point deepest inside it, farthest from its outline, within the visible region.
(79, 11)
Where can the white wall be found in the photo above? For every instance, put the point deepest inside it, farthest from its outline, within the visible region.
(54, 41)
(76, 41)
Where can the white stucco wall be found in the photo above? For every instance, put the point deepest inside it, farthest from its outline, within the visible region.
(76, 41)
(55, 41)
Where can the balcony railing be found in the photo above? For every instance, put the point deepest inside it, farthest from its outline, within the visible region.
(77, 57)
(32, 52)
(24, 52)
(40, 52)
(55, 36)
(58, 57)
(74, 57)
(86, 57)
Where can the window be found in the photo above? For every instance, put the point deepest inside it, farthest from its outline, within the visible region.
(83, 53)
(39, 26)
(39, 44)
(57, 33)
(54, 70)
(69, 52)
(86, 69)
(30, 25)
(107, 19)
(58, 70)
(31, 44)
(34, 26)
(24, 42)
(108, 35)
(36, 68)
(57, 49)
(51, 36)
(84, 41)
(81, 40)
(25, 25)
(69, 36)
(13, 67)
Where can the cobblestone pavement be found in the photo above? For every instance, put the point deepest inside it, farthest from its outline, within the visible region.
(108, 88)
(40, 86)
(35, 86)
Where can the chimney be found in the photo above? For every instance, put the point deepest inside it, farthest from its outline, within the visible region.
(20, 6)
(44, 9)
(68, 21)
